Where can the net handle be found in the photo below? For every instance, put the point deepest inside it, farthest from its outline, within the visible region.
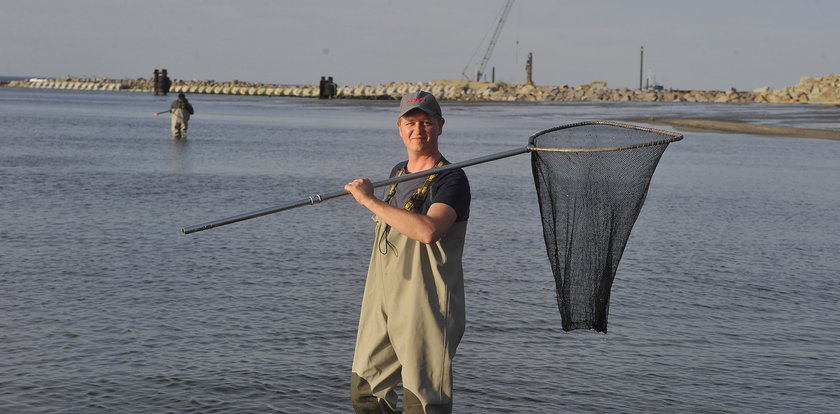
(317, 198)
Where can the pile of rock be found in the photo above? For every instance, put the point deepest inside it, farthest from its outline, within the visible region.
(820, 90)
(93, 84)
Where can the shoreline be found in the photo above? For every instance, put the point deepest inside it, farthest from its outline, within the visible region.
(738, 127)
(823, 90)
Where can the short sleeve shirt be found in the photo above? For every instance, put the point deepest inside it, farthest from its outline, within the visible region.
(450, 187)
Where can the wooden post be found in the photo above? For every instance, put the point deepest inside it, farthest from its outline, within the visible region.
(529, 65)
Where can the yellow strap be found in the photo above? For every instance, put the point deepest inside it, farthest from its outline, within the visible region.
(420, 195)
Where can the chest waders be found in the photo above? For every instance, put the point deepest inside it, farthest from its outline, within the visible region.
(180, 120)
(412, 319)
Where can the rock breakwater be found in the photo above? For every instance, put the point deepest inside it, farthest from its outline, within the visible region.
(814, 90)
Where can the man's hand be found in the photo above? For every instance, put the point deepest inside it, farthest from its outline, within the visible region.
(425, 228)
(361, 189)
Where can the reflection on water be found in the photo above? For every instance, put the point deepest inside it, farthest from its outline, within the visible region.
(181, 155)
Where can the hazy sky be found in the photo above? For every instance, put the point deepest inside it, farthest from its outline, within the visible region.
(691, 44)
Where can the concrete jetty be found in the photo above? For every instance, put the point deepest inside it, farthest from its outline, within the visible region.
(810, 90)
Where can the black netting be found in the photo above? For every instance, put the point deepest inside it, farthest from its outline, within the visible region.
(591, 180)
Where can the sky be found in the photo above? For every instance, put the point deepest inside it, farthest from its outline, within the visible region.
(688, 44)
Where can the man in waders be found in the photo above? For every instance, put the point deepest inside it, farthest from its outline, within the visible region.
(412, 315)
(180, 111)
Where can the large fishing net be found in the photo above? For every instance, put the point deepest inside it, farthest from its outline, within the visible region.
(591, 180)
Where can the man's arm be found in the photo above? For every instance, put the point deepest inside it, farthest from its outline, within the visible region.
(425, 228)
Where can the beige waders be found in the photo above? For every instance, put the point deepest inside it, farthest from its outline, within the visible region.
(411, 322)
(180, 120)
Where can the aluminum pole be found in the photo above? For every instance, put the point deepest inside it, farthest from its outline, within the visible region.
(317, 198)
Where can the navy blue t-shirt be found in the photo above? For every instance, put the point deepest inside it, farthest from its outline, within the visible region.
(449, 187)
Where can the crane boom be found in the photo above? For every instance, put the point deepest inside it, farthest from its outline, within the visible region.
(493, 39)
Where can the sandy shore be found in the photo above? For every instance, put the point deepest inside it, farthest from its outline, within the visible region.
(734, 127)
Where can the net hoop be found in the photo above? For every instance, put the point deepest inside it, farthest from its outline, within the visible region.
(672, 137)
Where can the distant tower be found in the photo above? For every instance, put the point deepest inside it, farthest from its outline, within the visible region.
(641, 66)
(529, 65)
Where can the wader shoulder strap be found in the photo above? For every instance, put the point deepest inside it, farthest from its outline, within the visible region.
(420, 195)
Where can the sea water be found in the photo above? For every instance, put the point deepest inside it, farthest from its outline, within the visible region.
(726, 299)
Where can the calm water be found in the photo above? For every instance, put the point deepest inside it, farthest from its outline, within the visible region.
(726, 300)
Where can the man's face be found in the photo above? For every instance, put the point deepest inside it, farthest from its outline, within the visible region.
(420, 131)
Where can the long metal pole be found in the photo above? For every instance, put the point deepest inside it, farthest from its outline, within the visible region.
(315, 199)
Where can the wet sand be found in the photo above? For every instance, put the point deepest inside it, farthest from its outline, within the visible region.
(735, 127)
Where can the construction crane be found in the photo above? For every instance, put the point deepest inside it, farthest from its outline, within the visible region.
(593, 84)
(493, 39)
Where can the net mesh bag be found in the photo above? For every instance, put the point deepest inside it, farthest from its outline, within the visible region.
(591, 180)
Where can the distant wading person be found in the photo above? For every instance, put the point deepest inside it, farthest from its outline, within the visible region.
(413, 313)
(180, 111)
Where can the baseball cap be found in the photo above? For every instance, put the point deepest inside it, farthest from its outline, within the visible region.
(422, 100)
